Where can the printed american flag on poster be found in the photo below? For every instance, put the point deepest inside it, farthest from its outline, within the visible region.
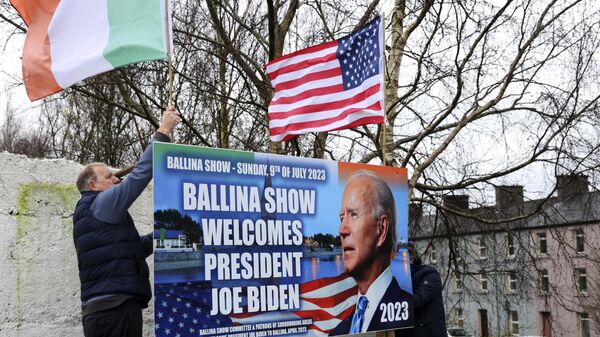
(331, 86)
(183, 310)
(327, 301)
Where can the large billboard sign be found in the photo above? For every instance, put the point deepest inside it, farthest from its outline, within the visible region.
(256, 245)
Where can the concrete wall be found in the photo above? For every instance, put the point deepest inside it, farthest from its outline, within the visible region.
(39, 283)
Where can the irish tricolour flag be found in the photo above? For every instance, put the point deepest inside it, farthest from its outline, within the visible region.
(70, 40)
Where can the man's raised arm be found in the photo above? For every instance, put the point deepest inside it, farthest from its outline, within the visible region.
(112, 204)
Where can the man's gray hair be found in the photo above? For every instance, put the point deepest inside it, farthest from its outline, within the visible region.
(86, 175)
(383, 203)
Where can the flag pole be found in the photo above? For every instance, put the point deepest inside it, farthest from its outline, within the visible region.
(125, 171)
(383, 138)
(169, 61)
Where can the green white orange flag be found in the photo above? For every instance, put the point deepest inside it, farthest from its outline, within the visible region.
(70, 40)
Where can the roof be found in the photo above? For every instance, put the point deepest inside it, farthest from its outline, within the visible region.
(581, 208)
(169, 233)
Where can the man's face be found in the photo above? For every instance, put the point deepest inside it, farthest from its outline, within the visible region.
(104, 179)
(359, 231)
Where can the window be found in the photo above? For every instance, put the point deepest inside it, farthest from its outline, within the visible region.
(544, 281)
(513, 322)
(581, 280)
(579, 241)
(433, 255)
(482, 249)
(542, 244)
(455, 254)
(583, 322)
(458, 282)
(510, 246)
(458, 320)
(483, 286)
(511, 281)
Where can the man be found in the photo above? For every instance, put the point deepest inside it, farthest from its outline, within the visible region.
(430, 317)
(110, 252)
(368, 234)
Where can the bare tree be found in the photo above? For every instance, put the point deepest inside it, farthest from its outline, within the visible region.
(16, 139)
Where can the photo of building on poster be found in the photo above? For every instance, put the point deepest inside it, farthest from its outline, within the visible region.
(252, 245)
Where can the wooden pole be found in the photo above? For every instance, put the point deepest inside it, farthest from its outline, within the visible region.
(169, 60)
(125, 171)
(384, 126)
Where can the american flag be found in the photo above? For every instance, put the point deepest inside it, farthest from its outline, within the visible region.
(331, 86)
(327, 301)
(183, 310)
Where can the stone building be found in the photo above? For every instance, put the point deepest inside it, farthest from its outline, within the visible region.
(520, 267)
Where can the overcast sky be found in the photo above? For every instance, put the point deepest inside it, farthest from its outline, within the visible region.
(10, 74)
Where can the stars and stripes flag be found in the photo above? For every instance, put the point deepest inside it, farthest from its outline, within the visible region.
(183, 310)
(331, 86)
(327, 301)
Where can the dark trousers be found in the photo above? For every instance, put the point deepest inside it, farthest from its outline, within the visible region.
(122, 321)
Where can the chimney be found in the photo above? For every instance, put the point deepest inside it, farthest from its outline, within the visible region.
(509, 196)
(458, 202)
(415, 212)
(567, 185)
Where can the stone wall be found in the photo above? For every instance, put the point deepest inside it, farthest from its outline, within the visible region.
(39, 284)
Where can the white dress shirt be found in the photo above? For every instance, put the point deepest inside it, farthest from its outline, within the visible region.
(374, 295)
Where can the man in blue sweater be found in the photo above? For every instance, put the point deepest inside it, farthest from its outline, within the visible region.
(111, 255)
